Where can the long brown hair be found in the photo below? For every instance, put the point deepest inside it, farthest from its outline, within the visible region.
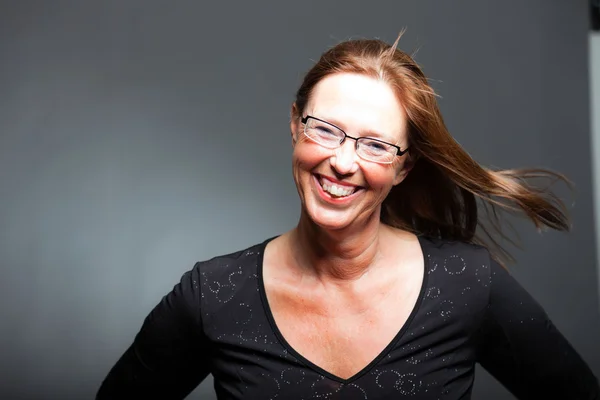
(446, 189)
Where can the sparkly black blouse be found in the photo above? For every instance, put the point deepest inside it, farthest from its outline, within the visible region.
(470, 310)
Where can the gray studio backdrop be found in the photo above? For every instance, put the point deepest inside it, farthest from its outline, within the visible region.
(137, 137)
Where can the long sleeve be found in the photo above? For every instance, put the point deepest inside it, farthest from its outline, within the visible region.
(170, 355)
(520, 346)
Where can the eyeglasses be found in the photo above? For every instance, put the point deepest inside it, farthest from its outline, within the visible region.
(332, 137)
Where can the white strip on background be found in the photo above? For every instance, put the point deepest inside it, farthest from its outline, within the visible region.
(594, 46)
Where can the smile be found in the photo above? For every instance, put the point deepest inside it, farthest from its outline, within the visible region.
(336, 190)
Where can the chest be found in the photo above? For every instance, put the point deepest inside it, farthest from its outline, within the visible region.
(343, 336)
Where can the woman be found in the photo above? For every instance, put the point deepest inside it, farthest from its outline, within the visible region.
(382, 290)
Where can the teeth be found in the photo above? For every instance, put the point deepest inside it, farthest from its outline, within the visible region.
(336, 190)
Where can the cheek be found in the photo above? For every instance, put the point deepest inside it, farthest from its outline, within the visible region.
(308, 155)
(380, 178)
(303, 161)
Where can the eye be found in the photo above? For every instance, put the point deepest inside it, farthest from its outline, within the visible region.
(325, 130)
(375, 146)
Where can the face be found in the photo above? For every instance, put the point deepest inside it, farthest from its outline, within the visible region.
(361, 106)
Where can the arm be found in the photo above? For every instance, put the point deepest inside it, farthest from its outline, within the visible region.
(169, 356)
(522, 348)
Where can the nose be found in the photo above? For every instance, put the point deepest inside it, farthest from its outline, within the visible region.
(345, 157)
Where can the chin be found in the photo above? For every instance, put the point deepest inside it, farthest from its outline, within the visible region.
(329, 219)
(330, 225)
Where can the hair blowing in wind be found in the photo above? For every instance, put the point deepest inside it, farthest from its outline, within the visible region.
(447, 194)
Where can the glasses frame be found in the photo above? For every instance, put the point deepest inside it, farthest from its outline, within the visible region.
(399, 152)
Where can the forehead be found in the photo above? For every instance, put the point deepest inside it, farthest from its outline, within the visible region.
(358, 103)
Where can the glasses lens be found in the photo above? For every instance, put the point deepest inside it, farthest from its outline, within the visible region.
(376, 151)
(323, 133)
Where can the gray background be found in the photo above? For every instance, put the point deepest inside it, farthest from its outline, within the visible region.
(594, 63)
(137, 137)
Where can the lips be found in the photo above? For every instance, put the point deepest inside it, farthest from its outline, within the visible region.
(334, 189)
(331, 181)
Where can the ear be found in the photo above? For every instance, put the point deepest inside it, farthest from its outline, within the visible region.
(294, 122)
(406, 167)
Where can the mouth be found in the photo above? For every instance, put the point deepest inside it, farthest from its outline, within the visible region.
(334, 189)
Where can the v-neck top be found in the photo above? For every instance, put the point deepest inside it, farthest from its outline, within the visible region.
(470, 310)
(288, 347)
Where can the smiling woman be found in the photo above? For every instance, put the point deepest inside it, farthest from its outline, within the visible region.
(360, 104)
(382, 290)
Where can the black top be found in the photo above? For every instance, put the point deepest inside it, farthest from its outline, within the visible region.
(217, 320)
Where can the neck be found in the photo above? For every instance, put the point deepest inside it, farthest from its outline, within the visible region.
(343, 255)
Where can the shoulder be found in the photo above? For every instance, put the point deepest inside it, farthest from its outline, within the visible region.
(216, 274)
(454, 256)
(229, 290)
(458, 273)
(227, 263)
(226, 276)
